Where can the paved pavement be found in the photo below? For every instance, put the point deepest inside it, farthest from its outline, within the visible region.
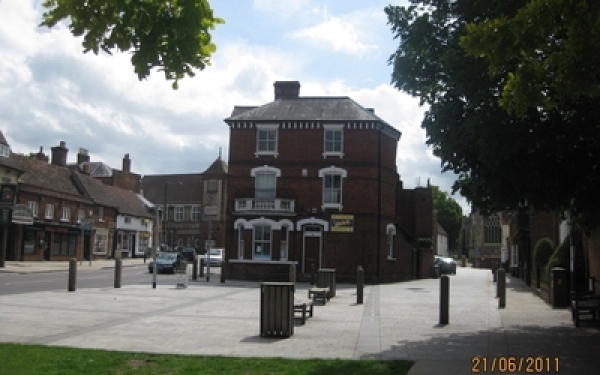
(396, 321)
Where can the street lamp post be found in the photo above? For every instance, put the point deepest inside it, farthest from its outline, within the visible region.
(164, 228)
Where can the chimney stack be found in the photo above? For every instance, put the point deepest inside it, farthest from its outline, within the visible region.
(126, 164)
(59, 154)
(83, 156)
(40, 155)
(287, 89)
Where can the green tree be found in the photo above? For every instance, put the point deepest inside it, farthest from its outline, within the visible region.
(555, 47)
(545, 155)
(173, 35)
(449, 215)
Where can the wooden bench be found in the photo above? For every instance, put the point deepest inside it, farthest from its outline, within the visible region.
(585, 304)
(319, 294)
(303, 307)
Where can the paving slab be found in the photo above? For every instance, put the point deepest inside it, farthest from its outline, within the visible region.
(396, 321)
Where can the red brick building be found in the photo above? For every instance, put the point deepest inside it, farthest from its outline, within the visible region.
(313, 181)
(58, 212)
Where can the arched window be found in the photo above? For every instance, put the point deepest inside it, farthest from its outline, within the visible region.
(332, 186)
(493, 230)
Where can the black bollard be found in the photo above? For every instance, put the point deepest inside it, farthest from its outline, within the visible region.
(72, 275)
(154, 273)
(195, 269)
(313, 273)
(223, 268)
(501, 288)
(118, 265)
(201, 267)
(444, 299)
(360, 284)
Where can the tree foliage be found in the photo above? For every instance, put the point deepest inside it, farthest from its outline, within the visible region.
(449, 215)
(486, 121)
(555, 45)
(173, 35)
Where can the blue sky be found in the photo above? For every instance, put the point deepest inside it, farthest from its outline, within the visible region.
(50, 91)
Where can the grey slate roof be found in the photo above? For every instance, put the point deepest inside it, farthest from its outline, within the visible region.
(323, 109)
(47, 177)
(153, 187)
(125, 201)
(218, 167)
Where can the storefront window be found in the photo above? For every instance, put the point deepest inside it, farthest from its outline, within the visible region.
(100, 244)
(29, 243)
(64, 244)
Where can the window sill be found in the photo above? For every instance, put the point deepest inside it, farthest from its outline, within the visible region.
(334, 206)
(333, 154)
(266, 153)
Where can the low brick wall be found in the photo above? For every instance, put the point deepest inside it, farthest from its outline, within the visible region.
(260, 270)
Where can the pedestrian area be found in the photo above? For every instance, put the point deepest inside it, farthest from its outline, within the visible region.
(396, 321)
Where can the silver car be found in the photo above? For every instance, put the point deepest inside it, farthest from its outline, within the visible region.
(215, 257)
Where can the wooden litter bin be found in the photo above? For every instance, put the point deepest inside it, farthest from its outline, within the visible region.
(277, 309)
(326, 279)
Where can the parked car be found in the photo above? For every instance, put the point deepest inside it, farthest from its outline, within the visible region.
(165, 262)
(215, 257)
(188, 253)
(447, 265)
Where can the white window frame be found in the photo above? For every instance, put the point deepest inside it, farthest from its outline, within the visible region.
(34, 207)
(391, 234)
(196, 213)
(240, 230)
(49, 213)
(80, 215)
(4, 151)
(179, 213)
(100, 213)
(66, 214)
(332, 171)
(264, 171)
(283, 246)
(263, 243)
(267, 129)
(333, 129)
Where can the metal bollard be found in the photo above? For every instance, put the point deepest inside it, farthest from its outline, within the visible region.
(195, 269)
(223, 268)
(72, 275)
(201, 267)
(313, 273)
(118, 265)
(360, 284)
(444, 299)
(501, 288)
(154, 273)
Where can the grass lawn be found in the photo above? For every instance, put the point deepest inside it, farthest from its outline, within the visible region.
(48, 360)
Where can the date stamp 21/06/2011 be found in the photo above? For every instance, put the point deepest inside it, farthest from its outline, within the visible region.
(514, 365)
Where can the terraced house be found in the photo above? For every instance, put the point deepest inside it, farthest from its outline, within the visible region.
(313, 183)
(59, 212)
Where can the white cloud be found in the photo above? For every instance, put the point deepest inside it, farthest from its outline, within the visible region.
(281, 8)
(50, 91)
(350, 33)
